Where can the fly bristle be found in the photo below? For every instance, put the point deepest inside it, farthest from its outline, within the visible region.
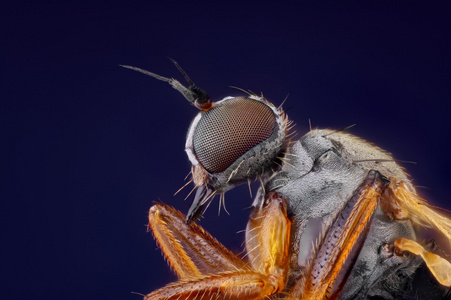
(192, 190)
(222, 200)
(339, 130)
(289, 154)
(242, 90)
(279, 165)
(139, 294)
(285, 162)
(249, 185)
(191, 180)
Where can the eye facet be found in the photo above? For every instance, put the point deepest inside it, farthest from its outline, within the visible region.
(227, 131)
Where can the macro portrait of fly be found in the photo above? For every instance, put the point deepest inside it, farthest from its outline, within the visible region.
(335, 217)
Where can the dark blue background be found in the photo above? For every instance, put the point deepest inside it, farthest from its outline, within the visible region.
(88, 146)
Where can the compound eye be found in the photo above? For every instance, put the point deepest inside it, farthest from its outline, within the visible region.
(230, 129)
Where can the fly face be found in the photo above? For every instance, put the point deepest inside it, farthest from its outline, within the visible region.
(335, 221)
(239, 138)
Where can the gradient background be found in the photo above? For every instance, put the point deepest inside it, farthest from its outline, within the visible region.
(88, 146)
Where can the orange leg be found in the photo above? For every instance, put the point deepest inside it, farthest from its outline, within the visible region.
(400, 201)
(439, 267)
(207, 270)
(325, 276)
(189, 249)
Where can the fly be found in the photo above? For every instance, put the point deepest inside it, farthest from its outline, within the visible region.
(334, 217)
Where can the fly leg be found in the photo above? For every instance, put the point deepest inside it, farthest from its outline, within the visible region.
(328, 270)
(189, 249)
(268, 239)
(400, 201)
(439, 267)
(207, 270)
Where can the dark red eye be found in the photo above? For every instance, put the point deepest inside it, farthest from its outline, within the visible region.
(229, 130)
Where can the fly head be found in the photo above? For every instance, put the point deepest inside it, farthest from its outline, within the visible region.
(229, 141)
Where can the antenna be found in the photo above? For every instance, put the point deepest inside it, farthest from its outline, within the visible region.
(195, 95)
